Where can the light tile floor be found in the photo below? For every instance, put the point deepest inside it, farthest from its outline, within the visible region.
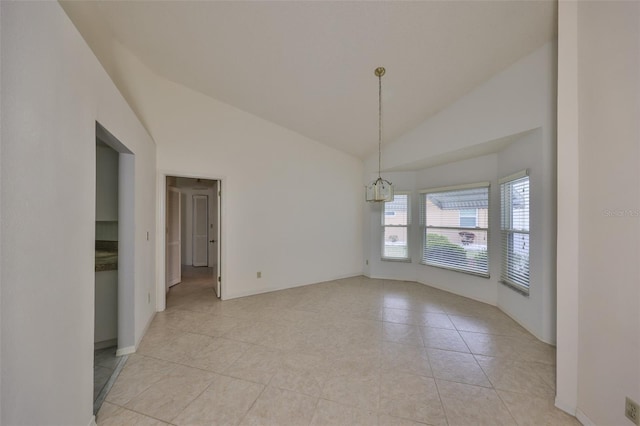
(106, 367)
(104, 364)
(356, 351)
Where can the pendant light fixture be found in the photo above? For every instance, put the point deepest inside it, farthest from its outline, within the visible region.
(380, 189)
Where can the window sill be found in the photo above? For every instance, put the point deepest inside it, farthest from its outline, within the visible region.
(462, 271)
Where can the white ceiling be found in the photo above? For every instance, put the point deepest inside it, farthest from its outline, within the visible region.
(308, 66)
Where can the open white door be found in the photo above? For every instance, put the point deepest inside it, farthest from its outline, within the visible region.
(200, 230)
(218, 277)
(173, 262)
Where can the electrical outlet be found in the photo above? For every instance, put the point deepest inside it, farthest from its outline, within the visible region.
(366, 262)
(259, 275)
(148, 297)
(631, 410)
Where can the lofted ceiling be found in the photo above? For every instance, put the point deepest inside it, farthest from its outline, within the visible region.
(308, 65)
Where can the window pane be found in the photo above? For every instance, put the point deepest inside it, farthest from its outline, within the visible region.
(520, 205)
(514, 197)
(396, 211)
(518, 258)
(456, 229)
(467, 208)
(457, 249)
(395, 222)
(395, 243)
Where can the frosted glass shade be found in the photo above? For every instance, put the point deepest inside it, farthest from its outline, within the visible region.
(379, 190)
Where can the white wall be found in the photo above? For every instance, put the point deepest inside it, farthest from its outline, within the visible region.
(53, 91)
(291, 207)
(503, 126)
(518, 99)
(536, 312)
(106, 183)
(603, 363)
(1, 221)
(568, 244)
(106, 306)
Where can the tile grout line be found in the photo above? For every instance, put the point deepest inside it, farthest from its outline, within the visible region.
(200, 368)
(264, 388)
(444, 409)
(348, 315)
(191, 402)
(137, 412)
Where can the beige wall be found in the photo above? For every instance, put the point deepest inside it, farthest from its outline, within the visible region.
(272, 182)
(599, 153)
(53, 92)
(609, 138)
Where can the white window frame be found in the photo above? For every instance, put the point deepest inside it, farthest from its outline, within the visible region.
(423, 225)
(407, 228)
(506, 231)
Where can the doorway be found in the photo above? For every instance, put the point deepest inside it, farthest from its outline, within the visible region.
(114, 260)
(192, 231)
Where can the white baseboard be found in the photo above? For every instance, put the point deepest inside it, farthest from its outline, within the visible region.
(125, 351)
(390, 278)
(582, 418)
(567, 408)
(576, 412)
(449, 290)
(255, 292)
(92, 422)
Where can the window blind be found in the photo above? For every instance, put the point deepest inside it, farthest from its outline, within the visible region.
(395, 224)
(514, 229)
(455, 225)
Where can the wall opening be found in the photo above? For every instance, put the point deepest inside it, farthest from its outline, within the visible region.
(114, 328)
(192, 234)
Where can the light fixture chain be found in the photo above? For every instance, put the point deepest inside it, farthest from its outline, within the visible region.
(379, 123)
(379, 190)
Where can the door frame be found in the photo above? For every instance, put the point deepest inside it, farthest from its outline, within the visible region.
(171, 283)
(126, 240)
(161, 185)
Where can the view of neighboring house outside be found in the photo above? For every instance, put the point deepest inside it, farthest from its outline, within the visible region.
(395, 228)
(455, 228)
(456, 224)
